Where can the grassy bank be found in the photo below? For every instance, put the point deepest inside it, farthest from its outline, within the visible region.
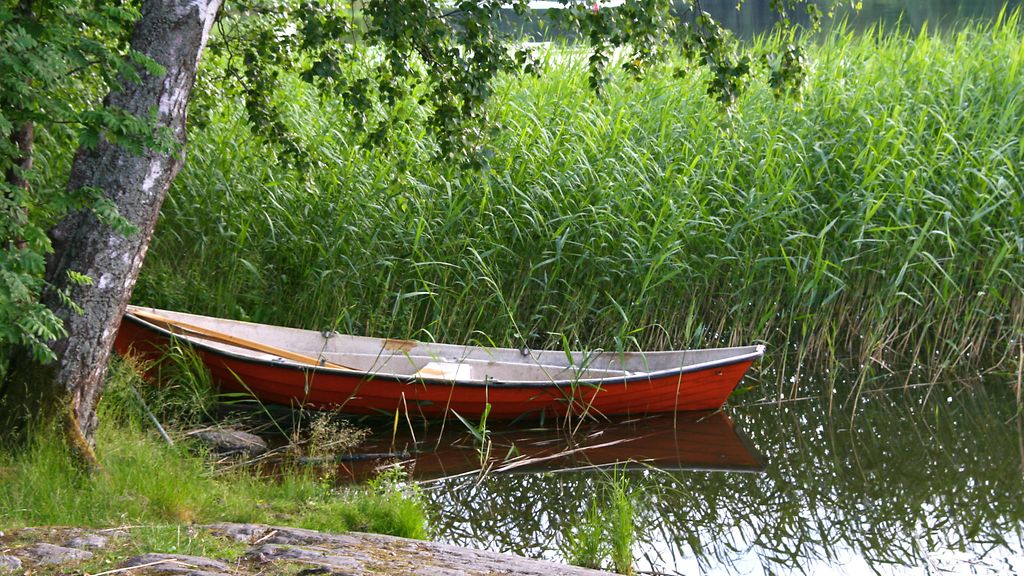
(877, 220)
(146, 482)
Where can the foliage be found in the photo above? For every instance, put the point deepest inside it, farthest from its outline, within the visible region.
(55, 60)
(393, 62)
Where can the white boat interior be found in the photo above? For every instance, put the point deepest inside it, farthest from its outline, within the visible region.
(414, 359)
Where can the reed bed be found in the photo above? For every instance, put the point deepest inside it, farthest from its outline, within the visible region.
(877, 220)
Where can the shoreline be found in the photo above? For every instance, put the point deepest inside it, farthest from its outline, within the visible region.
(248, 549)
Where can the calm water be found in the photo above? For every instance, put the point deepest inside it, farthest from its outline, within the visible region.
(906, 482)
(756, 16)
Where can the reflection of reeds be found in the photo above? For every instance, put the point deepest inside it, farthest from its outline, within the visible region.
(944, 471)
(1020, 403)
(1020, 371)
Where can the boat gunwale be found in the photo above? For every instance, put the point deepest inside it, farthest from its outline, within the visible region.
(409, 379)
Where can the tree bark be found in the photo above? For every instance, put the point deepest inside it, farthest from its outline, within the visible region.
(174, 34)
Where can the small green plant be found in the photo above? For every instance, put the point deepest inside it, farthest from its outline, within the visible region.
(621, 525)
(584, 543)
(607, 530)
(390, 504)
(481, 435)
(330, 435)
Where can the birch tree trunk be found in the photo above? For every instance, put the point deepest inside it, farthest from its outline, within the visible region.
(173, 33)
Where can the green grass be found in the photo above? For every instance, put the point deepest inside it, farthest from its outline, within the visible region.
(125, 542)
(876, 220)
(622, 525)
(583, 543)
(607, 529)
(146, 481)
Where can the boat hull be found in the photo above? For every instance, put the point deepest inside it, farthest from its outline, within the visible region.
(330, 389)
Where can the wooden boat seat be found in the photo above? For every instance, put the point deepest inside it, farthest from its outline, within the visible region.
(446, 371)
(472, 368)
(467, 368)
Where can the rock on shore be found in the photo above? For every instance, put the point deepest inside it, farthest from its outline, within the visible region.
(268, 551)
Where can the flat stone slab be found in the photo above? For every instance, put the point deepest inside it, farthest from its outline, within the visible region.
(321, 558)
(357, 553)
(178, 564)
(48, 554)
(265, 551)
(228, 442)
(9, 564)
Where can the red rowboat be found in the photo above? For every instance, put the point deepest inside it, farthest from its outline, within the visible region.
(363, 375)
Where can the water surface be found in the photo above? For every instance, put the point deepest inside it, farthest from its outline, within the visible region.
(909, 481)
(757, 16)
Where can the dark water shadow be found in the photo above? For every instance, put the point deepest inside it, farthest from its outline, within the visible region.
(444, 451)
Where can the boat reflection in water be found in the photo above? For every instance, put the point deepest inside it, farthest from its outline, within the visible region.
(684, 441)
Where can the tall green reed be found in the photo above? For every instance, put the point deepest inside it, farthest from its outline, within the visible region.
(875, 221)
(583, 543)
